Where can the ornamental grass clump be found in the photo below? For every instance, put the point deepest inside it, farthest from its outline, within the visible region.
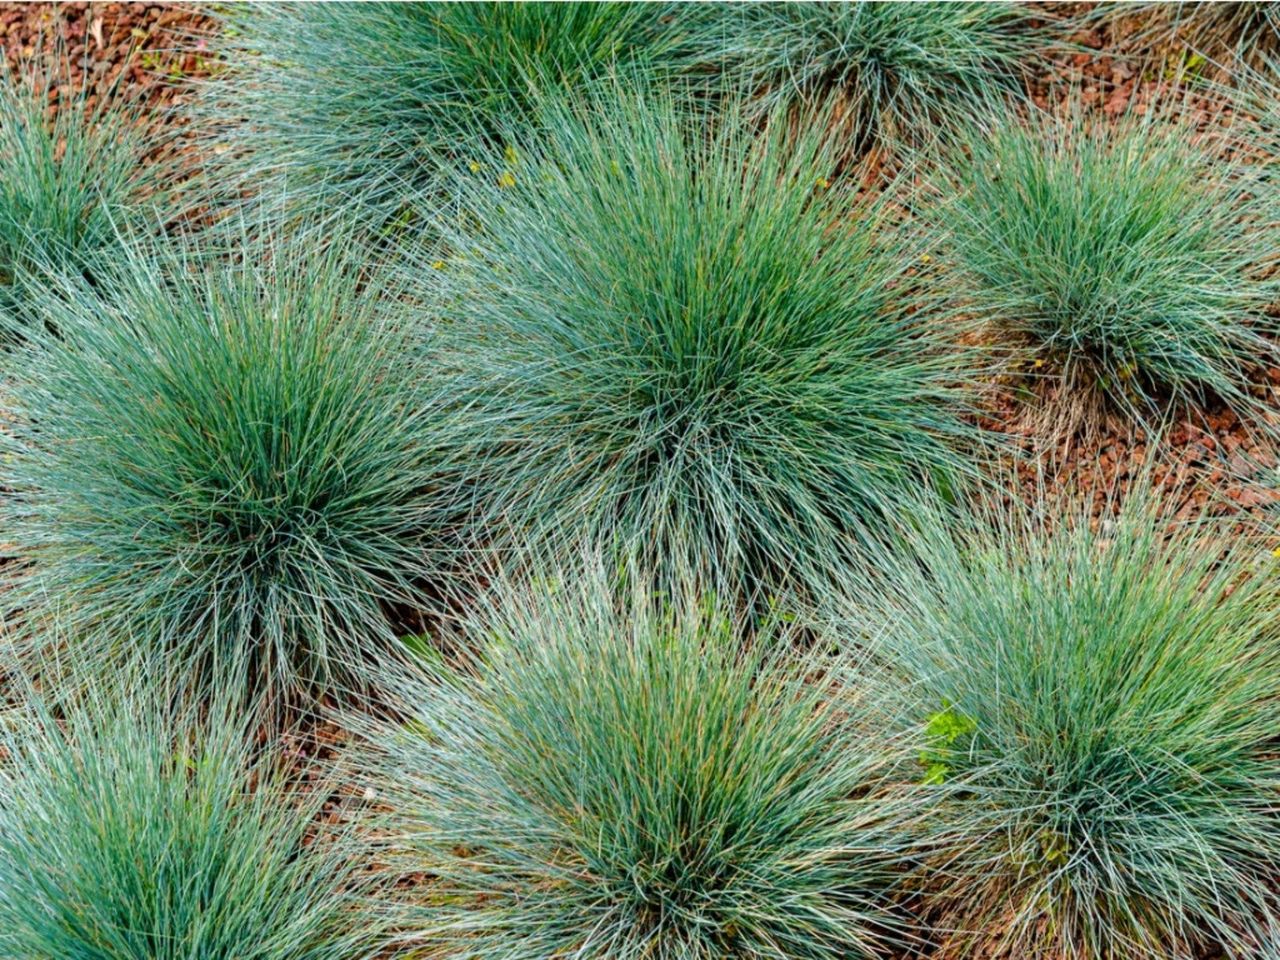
(1134, 260)
(73, 173)
(1102, 699)
(611, 774)
(901, 71)
(224, 465)
(129, 833)
(358, 106)
(695, 342)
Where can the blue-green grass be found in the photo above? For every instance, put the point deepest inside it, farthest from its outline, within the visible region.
(227, 463)
(696, 342)
(1134, 260)
(129, 831)
(1102, 695)
(609, 773)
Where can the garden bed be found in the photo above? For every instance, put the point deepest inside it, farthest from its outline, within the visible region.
(616, 481)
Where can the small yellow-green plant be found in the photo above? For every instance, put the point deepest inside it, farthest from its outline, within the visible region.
(946, 732)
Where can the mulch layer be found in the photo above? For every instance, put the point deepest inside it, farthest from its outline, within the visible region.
(136, 50)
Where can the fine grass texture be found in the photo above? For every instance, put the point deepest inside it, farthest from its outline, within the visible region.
(1225, 33)
(1133, 260)
(127, 834)
(357, 106)
(612, 776)
(225, 465)
(1255, 94)
(1105, 702)
(691, 341)
(899, 70)
(72, 175)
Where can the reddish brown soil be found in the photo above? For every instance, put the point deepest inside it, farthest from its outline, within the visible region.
(133, 49)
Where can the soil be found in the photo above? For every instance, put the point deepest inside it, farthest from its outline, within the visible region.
(134, 50)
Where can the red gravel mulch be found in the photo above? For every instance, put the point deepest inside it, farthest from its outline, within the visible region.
(136, 49)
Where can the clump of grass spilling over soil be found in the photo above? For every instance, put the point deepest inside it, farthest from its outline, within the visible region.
(1105, 702)
(900, 70)
(72, 176)
(1225, 32)
(678, 339)
(1129, 258)
(614, 776)
(1255, 94)
(358, 105)
(225, 466)
(126, 835)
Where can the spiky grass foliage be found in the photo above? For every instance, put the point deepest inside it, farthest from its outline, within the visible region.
(1255, 96)
(1245, 30)
(680, 340)
(1105, 698)
(1224, 32)
(612, 775)
(358, 105)
(130, 833)
(72, 174)
(900, 70)
(1130, 258)
(224, 465)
